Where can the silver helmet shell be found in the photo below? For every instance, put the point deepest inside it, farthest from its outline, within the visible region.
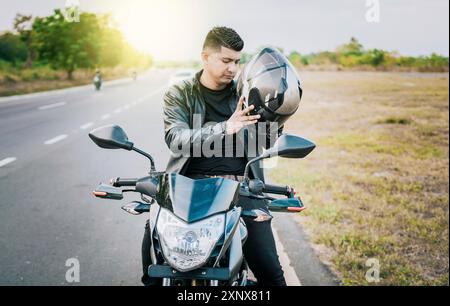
(270, 83)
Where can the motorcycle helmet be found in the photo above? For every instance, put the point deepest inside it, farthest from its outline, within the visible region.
(270, 83)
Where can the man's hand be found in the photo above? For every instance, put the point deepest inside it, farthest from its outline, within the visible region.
(240, 118)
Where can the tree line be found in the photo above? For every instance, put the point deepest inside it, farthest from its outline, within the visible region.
(91, 42)
(353, 55)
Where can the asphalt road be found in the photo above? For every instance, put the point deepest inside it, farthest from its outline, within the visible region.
(49, 167)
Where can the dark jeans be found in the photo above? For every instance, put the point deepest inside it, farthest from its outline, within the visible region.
(259, 251)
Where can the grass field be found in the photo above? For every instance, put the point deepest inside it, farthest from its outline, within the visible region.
(377, 185)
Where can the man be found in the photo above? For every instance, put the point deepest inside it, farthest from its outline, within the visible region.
(211, 96)
(97, 79)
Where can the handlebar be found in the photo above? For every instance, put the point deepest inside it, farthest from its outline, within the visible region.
(257, 186)
(282, 190)
(147, 185)
(120, 182)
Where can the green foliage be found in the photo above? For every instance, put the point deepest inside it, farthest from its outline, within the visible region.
(23, 26)
(295, 58)
(353, 48)
(321, 58)
(353, 54)
(92, 42)
(12, 48)
(36, 55)
(434, 62)
(374, 57)
(69, 45)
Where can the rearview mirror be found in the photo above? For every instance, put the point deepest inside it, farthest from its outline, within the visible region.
(111, 137)
(290, 146)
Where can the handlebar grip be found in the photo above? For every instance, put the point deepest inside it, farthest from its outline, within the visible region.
(282, 190)
(119, 182)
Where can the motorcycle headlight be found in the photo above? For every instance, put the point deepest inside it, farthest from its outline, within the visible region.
(188, 246)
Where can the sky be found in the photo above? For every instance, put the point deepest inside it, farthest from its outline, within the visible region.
(175, 29)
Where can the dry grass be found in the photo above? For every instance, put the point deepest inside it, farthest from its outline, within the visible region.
(22, 81)
(377, 184)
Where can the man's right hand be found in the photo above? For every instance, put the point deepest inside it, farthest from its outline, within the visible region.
(240, 118)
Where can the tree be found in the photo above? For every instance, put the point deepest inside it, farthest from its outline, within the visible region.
(436, 60)
(91, 42)
(351, 48)
(375, 57)
(12, 48)
(322, 58)
(297, 59)
(23, 26)
(68, 45)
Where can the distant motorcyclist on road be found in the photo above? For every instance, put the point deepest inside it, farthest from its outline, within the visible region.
(97, 79)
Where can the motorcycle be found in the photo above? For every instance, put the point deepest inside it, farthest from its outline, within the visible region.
(97, 82)
(196, 226)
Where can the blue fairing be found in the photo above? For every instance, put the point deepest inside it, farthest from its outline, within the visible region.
(193, 200)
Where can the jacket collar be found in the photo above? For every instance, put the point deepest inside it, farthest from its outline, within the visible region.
(197, 81)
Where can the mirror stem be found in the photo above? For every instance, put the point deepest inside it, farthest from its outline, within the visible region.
(266, 154)
(247, 167)
(152, 163)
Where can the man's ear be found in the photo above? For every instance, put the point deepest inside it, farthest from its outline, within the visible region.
(204, 57)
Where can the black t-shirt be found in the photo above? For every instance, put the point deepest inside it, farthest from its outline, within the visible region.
(217, 109)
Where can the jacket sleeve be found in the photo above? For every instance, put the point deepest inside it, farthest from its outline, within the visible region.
(179, 135)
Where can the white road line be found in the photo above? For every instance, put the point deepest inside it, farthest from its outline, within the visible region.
(126, 106)
(118, 110)
(55, 139)
(6, 161)
(142, 99)
(289, 272)
(87, 125)
(105, 116)
(52, 105)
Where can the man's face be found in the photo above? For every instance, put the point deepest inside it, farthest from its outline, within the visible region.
(222, 65)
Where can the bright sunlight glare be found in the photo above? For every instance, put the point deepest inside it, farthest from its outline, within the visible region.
(162, 28)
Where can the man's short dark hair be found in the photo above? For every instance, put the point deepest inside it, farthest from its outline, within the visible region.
(223, 36)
